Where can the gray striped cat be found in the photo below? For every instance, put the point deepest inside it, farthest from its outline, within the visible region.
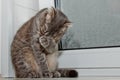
(34, 49)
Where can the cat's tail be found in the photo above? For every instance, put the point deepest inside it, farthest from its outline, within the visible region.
(68, 73)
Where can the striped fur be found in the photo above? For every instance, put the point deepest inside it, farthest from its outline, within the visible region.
(34, 49)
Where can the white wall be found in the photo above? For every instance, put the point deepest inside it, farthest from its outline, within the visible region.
(46, 3)
(7, 24)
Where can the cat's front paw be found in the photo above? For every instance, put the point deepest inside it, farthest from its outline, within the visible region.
(44, 41)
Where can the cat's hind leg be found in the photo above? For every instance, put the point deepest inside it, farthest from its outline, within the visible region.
(25, 64)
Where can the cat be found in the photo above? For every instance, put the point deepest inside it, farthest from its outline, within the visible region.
(34, 50)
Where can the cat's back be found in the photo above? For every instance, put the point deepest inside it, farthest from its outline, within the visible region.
(22, 37)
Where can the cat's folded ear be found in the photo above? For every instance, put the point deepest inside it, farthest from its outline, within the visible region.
(68, 24)
(50, 15)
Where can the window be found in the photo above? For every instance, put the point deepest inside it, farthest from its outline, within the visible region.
(96, 23)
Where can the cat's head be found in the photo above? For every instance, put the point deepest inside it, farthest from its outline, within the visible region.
(54, 23)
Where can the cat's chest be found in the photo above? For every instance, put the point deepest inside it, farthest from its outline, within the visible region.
(52, 61)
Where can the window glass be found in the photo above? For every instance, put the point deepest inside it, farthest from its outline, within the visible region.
(96, 23)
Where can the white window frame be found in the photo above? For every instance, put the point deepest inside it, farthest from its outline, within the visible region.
(89, 62)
